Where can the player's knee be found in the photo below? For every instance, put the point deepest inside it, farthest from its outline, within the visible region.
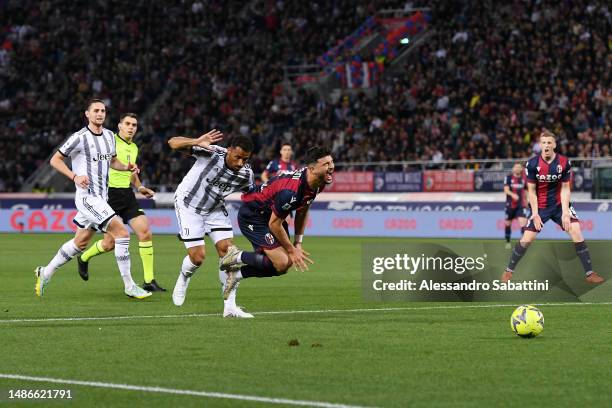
(197, 257)
(80, 244)
(282, 266)
(222, 247)
(144, 236)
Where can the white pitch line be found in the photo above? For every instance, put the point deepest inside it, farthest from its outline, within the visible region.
(290, 312)
(163, 390)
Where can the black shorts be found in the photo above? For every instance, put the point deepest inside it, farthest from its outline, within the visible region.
(255, 228)
(124, 202)
(552, 213)
(516, 212)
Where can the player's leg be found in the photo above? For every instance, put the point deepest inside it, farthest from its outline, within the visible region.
(582, 250)
(507, 232)
(141, 227)
(121, 236)
(230, 308)
(67, 251)
(191, 232)
(519, 250)
(101, 246)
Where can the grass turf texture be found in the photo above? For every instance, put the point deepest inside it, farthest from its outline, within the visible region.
(428, 357)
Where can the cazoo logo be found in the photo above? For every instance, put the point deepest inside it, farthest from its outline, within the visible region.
(548, 177)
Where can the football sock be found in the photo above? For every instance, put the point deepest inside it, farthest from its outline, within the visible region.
(145, 248)
(188, 268)
(94, 250)
(64, 254)
(253, 259)
(585, 257)
(508, 232)
(249, 271)
(122, 254)
(517, 253)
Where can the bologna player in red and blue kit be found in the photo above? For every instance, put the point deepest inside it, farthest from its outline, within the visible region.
(261, 219)
(282, 165)
(548, 184)
(514, 188)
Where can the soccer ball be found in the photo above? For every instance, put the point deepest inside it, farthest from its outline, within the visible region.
(527, 321)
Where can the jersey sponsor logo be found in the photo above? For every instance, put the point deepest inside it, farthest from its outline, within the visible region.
(102, 157)
(269, 238)
(548, 178)
(216, 182)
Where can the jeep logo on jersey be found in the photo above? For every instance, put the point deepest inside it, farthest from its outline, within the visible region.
(102, 157)
(216, 182)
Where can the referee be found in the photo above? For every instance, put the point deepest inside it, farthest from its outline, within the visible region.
(123, 201)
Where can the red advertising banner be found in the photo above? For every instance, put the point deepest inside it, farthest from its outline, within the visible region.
(448, 180)
(352, 181)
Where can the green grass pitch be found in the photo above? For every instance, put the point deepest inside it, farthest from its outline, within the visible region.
(416, 355)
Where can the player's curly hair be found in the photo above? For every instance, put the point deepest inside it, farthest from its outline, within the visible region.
(315, 153)
(244, 142)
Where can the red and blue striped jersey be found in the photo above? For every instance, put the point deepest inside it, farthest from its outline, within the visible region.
(548, 178)
(278, 167)
(517, 185)
(281, 195)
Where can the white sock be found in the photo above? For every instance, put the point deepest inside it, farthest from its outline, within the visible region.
(66, 252)
(122, 254)
(231, 299)
(188, 268)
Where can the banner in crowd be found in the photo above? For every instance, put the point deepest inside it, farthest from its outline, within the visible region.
(53, 203)
(352, 181)
(398, 181)
(483, 224)
(448, 180)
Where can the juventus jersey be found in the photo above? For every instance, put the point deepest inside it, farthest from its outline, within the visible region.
(91, 154)
(209, 180)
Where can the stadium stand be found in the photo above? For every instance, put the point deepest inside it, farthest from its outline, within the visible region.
(481, 87)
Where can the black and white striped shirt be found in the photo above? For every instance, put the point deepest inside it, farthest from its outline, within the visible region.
(91, 154)
(209, 180)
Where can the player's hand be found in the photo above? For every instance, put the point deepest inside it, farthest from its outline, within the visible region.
(300, 258)
(209, 138)
(133, 168)
(147, 192)
(515, 196)
(81, 181)
(537, 222)
(566, 220)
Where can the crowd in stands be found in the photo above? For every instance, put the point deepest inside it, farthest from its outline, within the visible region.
(482, 86)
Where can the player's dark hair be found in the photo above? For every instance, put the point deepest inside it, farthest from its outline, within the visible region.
(92, 101)
(243, 142)
(315, 153)
(128, 115)
(285, 144)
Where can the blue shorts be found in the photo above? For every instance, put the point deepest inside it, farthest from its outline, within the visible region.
(254, 226)
(552, 213)
(516, 212)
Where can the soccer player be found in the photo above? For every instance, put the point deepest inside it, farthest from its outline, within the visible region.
(548, 185)
(514, 188)
(261, 219)
(123, 201)
(282, 165)
(199, 203)
(92, 150)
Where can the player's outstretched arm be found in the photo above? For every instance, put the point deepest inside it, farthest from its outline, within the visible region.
(57, 162)
(301, 216)
(298, 256)
(147, 192)
(186, 143)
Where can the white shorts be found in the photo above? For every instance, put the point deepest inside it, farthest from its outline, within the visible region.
(193, 226)
(94, 212)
